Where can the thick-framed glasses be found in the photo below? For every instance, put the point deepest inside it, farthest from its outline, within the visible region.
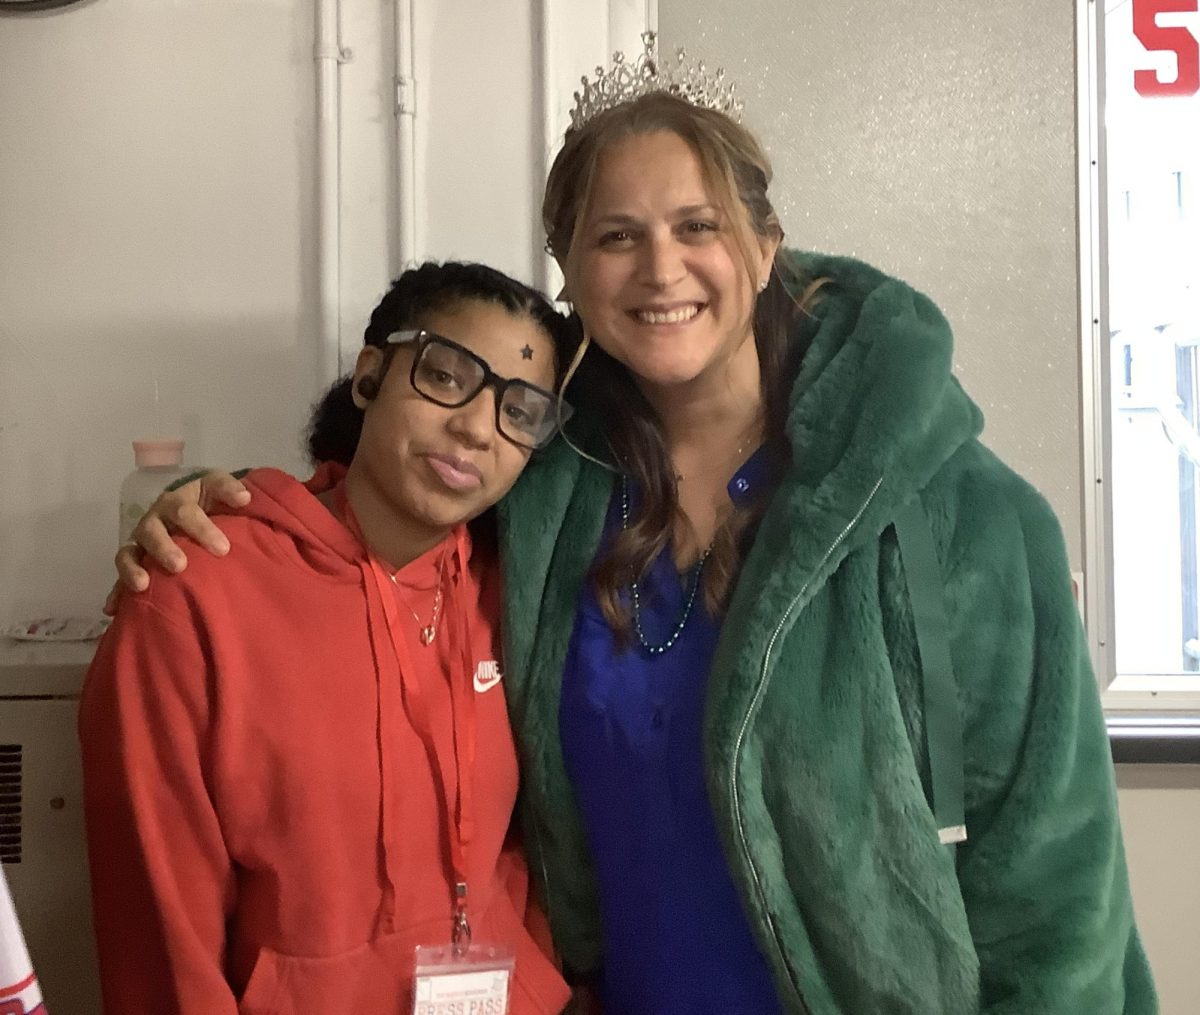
(450, 375)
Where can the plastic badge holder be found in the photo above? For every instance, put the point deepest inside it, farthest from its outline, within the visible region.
(474, 981)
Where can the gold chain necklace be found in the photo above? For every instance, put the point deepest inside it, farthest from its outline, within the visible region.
(755, 431)
(428, 631)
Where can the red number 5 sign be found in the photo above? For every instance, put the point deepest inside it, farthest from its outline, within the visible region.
(1158, 39)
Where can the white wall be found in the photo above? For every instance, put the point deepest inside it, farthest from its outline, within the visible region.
(158, 224)
(155, 226)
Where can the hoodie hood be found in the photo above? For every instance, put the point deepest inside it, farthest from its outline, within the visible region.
(321, 541)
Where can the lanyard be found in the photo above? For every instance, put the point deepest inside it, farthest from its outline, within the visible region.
(459, 810)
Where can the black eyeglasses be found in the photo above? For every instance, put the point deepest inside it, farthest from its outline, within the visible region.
(447, 374)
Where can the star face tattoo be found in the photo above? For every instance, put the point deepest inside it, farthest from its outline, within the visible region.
(526, 353)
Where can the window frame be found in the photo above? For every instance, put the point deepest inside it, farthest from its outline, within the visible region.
(1159, 723)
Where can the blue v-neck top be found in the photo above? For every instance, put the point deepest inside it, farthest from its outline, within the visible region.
(676, 939)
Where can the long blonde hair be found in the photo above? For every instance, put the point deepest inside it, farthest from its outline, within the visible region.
(736, 172)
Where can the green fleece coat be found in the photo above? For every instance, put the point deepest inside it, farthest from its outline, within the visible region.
(814, 737)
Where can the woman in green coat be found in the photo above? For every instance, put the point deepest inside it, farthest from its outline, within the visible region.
(754, 777)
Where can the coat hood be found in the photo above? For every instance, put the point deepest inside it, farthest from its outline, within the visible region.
(874, 413)
(874, 401)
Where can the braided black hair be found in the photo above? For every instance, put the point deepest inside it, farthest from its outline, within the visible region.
(335, 425)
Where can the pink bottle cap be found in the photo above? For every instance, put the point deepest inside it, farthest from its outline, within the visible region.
(148, 454)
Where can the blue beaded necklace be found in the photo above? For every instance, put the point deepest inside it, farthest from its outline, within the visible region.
(656, 650)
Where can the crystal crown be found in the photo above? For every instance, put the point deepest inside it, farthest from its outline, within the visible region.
(627, 81)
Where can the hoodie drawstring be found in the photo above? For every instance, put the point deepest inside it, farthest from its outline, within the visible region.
(387, 684)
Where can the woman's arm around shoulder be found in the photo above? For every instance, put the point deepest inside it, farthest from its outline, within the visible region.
(180, 509)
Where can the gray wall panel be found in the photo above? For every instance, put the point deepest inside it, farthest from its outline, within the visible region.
(937, 140)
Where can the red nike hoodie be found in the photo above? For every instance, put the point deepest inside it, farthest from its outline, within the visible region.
(266, 833)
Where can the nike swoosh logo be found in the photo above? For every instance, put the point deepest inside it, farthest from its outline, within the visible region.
(487, 675)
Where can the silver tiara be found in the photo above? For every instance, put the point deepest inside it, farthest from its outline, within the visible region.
(627, 81)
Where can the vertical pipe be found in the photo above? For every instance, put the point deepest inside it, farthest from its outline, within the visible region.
(327, 54)
(549, 279)
(407, 248)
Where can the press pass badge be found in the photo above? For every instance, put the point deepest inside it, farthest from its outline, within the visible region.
(450, 980)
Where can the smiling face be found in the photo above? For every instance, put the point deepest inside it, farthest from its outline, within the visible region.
(656, 272)
(432, 466)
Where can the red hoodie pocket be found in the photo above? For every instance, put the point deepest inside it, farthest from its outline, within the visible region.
(372, 979)
(376, 978)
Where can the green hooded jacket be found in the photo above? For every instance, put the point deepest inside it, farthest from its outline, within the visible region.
(814, 736)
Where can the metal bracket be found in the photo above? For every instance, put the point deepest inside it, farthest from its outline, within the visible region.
(406, 96)
(340, 54)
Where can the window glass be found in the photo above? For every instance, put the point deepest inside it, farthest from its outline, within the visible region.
(1152, 162)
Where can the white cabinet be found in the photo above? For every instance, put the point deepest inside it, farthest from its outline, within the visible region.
(41, 818)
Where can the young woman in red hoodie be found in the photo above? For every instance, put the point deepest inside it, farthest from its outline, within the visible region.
(298, 764)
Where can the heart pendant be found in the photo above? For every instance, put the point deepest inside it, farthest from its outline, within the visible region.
(428, 634)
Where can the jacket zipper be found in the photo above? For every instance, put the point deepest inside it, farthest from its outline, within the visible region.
(763, 680)
(541, 854)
